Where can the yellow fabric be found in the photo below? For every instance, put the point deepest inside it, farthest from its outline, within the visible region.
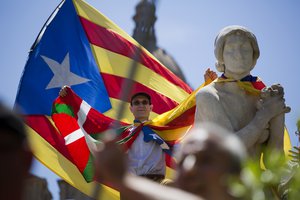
(119, 65)
(173, 134)
(88, 12)
(53, 159)
(167, 117)
(65, 169)
(287, 145)
(247, 86)
(93, 15)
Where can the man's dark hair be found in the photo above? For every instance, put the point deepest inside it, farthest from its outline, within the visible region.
(12, 122)
(140, 94)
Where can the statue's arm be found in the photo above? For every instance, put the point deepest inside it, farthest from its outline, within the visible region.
(209, 109)
(276, 124)
(275, 140)
(270, 114)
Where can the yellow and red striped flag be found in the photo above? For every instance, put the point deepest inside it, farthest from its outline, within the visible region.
(80, 47)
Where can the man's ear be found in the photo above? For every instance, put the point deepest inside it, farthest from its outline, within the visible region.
(151, 107)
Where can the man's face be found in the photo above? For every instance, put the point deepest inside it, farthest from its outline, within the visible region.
(141, 108)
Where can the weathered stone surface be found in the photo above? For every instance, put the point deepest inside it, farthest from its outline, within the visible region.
(144, 33)
(36, 188)
(256, 119)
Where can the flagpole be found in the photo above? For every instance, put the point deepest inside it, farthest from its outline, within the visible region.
(144, 39)
(127, 86)
(48, 21)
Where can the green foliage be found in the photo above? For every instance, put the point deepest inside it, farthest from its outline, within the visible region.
(281, 177)
(293, 181)
(295, 154)
(294, 184)
(298, 129)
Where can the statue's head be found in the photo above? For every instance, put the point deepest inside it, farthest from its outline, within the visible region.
(145, 14)
(144, 19)
(221, 39)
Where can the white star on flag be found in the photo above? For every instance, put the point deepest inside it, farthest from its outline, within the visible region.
(62, 74)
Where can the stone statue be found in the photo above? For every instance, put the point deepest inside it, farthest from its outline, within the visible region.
(256, 117)
(36, 188)
(144, 19)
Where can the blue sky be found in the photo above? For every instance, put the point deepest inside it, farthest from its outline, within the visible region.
(185, 29)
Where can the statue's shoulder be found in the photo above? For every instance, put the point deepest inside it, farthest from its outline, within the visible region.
(207, 93)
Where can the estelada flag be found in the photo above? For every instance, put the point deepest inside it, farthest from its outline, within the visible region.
(80, 47)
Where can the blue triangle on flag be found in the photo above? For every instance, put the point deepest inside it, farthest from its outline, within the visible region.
(61, 56)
